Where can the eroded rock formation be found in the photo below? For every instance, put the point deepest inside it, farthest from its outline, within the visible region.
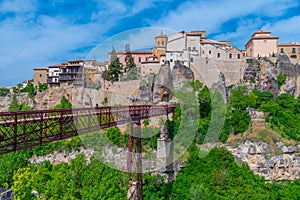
(281, 163)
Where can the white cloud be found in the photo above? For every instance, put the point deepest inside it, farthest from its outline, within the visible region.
(48, 40)
(288, 30)
(242, 34)
(19, 6)
(210, 15)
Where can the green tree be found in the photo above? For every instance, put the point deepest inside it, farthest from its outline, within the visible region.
(115, 68)
(23, 180)
(4, 92)
(42, 86)
(30, 89)
(130, 65)
(238, 98)
(262, 97)
(281, 78)
(297, 106)
(286, 101)
(204, 102)
(196, 85)
(240, 121)
(64, 103)
(14, 104)
(146, 122)
(8, 164)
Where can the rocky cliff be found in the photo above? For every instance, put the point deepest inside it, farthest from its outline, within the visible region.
(263, 74)
(22, 98)
(280, 163)
(158, 88)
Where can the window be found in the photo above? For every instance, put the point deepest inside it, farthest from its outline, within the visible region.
(194, 48)
(218, 55)
(238, 56)
(189, 48)
(294, 50)
(140, 59)
(146, 59)
(158, 43)
(209, 52)
(281, 50)
(192, 59)
(163, 42)
(230, 55)
(171, 60)
(41, 75)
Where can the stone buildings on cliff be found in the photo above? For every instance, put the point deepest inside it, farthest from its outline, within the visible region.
(205, 57)
(263, 44)
(78, 72)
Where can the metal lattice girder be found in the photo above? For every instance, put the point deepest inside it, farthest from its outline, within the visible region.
(21, 130)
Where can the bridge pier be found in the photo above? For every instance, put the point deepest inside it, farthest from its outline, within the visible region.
(135, 168)
(164, 164)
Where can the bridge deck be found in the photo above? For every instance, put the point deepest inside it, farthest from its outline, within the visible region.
(21, 130)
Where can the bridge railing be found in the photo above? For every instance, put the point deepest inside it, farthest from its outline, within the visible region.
(21, 130)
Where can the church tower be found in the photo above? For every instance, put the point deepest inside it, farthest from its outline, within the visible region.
(160, 45)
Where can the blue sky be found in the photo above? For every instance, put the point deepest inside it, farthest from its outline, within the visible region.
(36, 33)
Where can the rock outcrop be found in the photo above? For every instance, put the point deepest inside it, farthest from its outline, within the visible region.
(263, 74)
(282, 163)
(22, 98)
(181, 75)
(156, 89)
(63, 156)
(162, 90)
(50, 97)
(221, 87)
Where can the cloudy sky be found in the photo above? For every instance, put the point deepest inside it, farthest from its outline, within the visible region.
(36, 33)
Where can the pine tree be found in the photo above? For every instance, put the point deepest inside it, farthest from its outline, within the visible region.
(130, 65)
(115, 68)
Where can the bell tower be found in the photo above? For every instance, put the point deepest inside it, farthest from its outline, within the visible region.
(160, 45)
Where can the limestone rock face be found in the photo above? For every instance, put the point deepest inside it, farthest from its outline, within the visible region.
(162, 90)
(159, 89)
(221, 87)
(146, 88)
(282, 163)
(252, 70)
(51, 97)
(263, 74)
(292, 72)
(180, 75)
(22, 98)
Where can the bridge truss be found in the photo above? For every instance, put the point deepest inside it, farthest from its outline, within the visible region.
(22, 130)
